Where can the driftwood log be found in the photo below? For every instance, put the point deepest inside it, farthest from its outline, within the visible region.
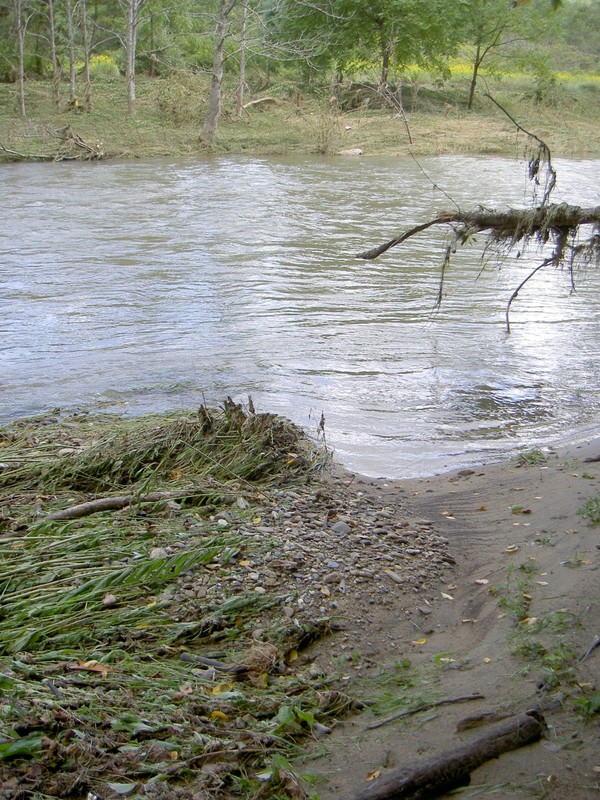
(431, 777)
(109, 504)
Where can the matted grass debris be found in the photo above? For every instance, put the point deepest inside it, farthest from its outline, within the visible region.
(118, 676)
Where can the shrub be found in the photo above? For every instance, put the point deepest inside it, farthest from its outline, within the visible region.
(103, 67)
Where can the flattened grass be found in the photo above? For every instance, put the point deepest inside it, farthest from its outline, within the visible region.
(97, 613)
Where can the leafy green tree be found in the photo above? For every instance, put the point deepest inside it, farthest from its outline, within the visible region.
(393, 33)
(493, 27)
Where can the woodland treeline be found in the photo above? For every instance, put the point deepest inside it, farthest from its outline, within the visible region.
(74, 42)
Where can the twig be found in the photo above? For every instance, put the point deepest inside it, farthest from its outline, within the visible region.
(370, 255)
(513, 296)
(426, 707)
(235, 669)
(543, 154)
(590, 650)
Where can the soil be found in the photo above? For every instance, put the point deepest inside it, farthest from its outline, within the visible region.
(525, 579)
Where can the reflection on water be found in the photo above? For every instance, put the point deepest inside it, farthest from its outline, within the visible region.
(153, 285)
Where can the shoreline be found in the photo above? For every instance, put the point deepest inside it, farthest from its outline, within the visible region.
(514, 532)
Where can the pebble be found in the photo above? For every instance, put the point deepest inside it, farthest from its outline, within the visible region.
(341, 527)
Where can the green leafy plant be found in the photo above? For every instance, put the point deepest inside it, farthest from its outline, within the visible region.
(588, 705)
(530, 458)
(590, 510)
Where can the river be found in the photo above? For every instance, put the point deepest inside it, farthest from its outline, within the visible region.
(151, 285)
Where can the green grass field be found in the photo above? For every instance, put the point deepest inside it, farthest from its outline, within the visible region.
(564, 111)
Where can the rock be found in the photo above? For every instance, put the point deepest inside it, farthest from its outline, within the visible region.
(352, 151)
(341, 527)
(424, 610)
(158, 552)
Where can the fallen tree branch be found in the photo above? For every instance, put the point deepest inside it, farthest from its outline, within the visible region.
(27, 156)
(450, 769)
(109, 504)
(72, 148)
(512, 225)
(557, 224)
(426, 707)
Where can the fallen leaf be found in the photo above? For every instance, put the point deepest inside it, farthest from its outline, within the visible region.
(419, 641)
(529, 621)
(292, 656)
(482, 508)
(325, 591)
(219, 715)
(91, 666)
(372, 775)
(487, 660)
(471, 620)
(173, 755)
(260, 680)
(512, 548)
(447, 596)
(186, 689)
(542, 583)
(221, 688)
(482, 581)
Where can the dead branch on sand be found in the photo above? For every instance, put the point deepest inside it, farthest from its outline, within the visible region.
(450, 769)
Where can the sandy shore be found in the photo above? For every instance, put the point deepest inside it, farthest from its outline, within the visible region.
(519, 543)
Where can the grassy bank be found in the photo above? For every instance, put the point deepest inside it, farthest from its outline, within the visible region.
(170, 114)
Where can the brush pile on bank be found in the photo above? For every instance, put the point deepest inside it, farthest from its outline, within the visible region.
(160, 580)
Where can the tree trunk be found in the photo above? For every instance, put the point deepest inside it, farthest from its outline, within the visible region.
(87, 89)
(130, 48)
(133, 8)
(242, 78)
(476, 65)
(387, 43)
(216, 84)
(20, 32)
(53, 58)
(71, 47)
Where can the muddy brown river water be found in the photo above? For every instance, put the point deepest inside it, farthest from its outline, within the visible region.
(150, 285)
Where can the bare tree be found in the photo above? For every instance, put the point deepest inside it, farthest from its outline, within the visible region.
(132, 10)
(243, 48)
(71, 48)
(20, 26)
(53, 57)
(216, 82)
(87, 90)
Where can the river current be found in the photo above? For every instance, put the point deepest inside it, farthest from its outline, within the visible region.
(152, 285)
